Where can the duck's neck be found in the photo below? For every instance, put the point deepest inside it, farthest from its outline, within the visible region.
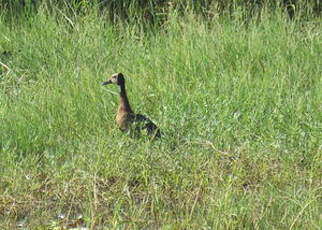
(124, 101)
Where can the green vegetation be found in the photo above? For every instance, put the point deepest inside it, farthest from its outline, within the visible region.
(239, 105)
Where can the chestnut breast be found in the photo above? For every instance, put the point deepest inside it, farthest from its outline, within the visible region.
(123, 119)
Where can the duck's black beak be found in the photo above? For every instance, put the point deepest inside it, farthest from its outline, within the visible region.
(107, 82)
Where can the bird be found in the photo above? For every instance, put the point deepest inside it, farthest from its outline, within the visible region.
(125, 118)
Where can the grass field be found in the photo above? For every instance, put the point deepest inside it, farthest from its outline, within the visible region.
(239, 106)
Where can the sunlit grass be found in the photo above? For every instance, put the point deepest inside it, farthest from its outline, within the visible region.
(239, 106)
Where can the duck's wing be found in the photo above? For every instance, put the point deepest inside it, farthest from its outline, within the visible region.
(145, 123)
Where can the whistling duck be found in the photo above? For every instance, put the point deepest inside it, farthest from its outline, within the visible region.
(125, 117)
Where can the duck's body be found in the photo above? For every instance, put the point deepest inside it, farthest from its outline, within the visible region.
(125, 118)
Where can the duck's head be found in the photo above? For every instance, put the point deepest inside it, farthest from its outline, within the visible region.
(116, 78)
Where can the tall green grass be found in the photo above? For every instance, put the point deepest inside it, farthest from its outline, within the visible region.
(239, 106)
(157, 11)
